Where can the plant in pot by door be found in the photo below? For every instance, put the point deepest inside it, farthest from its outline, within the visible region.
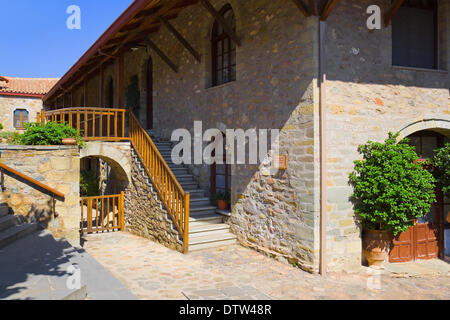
(222, 199)
(391, 191)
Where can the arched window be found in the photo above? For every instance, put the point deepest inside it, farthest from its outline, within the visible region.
(20, 118)
(223, 50)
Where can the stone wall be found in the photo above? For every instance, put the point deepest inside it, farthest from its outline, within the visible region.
(144, 214)
(8, 104)
(275, 89)
(367, 97)
(55, 166)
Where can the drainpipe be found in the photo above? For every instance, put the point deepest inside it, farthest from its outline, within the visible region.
(323, 148)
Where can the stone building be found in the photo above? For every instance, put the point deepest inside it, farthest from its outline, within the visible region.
(21, 100)
(312, 69)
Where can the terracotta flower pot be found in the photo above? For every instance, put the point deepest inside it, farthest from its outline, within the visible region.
(69, 141)
(222, 204)
(376, 245)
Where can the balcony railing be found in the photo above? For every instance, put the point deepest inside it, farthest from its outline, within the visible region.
(92, 123)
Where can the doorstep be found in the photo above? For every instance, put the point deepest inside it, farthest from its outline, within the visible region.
(226, 213)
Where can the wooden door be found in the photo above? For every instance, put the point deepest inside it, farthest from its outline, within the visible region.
(403, 247)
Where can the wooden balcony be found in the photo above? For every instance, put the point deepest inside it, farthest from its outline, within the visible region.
(93, 124)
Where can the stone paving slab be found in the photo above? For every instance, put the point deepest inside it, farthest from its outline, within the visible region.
(36, 268)
(152, 271)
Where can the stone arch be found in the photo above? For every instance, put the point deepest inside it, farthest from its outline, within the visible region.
(441, 126)
(116, 154)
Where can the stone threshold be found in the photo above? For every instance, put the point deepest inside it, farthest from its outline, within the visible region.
(226, 213)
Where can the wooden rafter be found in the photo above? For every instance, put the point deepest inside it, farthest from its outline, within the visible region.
(312, 7)
(221, 21)
(302, 7)
(392, 11)
(327, 9)
(161, 54)
(180, 38)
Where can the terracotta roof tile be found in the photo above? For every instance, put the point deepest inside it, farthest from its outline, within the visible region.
(26, 85)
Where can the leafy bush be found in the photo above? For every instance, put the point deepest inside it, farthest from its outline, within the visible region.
(51, 133)
(89, 184)
(10, 137)
(441, 164)
(391, 188)
(221, 196)
(1, 126)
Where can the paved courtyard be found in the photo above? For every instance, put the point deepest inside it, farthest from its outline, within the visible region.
(152, 271)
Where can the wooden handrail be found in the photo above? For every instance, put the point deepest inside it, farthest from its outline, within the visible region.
(92, 123)
(169, 190)
(29, 179)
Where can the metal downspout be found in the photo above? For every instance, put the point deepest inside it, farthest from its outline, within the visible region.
(323, 148)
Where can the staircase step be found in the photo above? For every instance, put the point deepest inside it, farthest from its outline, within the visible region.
(4, 210)
(188, 185)
(195, 193)
(12, 234)
(9, 221)
(205, 219)
(202, 210)
(209, 245)
(200, 201)
(206, 229)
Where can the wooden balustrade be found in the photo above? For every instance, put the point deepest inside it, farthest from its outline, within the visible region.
(103, 213)
(175, 200)
(92, 123)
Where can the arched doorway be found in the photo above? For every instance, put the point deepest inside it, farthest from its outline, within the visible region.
(220, 175)
(430, 237)
(149, 93)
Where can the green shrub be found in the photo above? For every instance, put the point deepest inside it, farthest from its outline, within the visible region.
(391, 187)
(1, 126)
(221, 196)
(11, 137)
(89, 184)
(51, 133)
(441, 164)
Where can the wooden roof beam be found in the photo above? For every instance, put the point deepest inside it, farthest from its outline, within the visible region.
(180, 38)
(161, 54)
(392, 11)
(220, 20)
(327, 9)
(302, 7)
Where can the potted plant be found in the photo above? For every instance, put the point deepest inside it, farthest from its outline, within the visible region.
(391, 190)
(222, 199)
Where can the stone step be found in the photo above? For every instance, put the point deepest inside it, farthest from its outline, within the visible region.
(202, 210)
(206, 229)
(210, 245)
(4, 210)
(10, 235)
(200, 201)
(212, 235)
(188, 185)
(205, 219)
(195, 193)
(185, 178)
(9, 221)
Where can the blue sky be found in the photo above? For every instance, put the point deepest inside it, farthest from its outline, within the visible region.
(35, 41)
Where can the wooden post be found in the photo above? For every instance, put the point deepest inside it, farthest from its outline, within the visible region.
(119, 77)
(186, 223)
(38, 117)
(100, 89)
(122, 208)
(43, 116)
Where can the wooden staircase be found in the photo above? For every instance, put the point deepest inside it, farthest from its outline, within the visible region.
(13, 227)
(206, 228)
